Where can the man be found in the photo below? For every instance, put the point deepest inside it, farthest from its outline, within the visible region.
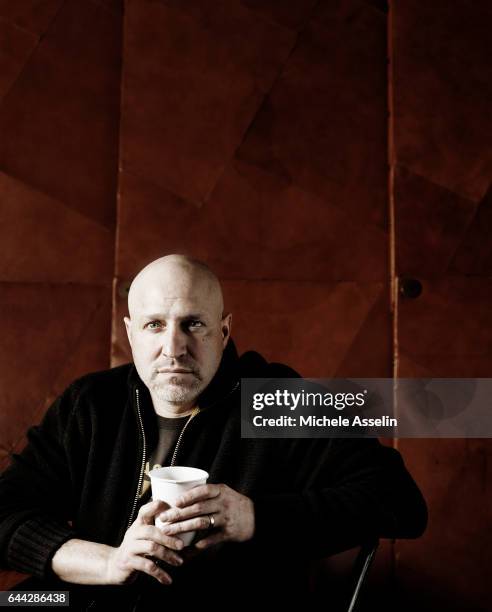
(74, 505)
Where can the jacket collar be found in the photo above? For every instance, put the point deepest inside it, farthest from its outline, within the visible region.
(225, 379)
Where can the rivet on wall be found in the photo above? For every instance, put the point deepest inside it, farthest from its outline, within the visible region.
(410, 288)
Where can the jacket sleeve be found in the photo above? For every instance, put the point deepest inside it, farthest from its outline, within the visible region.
(36, 499)
(354, 490)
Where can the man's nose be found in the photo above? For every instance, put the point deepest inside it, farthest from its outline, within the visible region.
(174, 341)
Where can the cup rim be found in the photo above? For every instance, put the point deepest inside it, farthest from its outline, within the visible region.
(196, 475)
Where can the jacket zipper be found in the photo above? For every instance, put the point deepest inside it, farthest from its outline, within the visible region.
(192, 415)
(144, 456)
(144, 453)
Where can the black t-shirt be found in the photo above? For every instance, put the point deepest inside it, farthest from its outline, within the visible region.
(169, 430)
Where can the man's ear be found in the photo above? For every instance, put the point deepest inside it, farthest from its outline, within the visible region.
(128, 324)
(226, 327)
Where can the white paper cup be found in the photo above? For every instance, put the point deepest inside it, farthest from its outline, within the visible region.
(169, 483)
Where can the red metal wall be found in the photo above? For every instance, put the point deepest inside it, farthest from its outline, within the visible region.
(254, 134)
(441, 171)
(60, 73)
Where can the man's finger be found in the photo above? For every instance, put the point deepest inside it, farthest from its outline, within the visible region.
(152, 549)
(149, 567)
(194, 524)
(150, 532)
(173, 515)
(148, 511)
(210, 540)
(208, 491)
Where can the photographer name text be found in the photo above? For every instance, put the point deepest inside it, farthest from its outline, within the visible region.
(323, 421)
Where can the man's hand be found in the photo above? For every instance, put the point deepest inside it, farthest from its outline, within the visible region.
(141, 541)
(233, 515)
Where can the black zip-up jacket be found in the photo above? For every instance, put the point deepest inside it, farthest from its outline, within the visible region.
(80, 474)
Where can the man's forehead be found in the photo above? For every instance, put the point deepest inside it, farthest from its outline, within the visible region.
(168, 303)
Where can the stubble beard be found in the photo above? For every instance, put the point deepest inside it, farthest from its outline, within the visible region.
(176, 392)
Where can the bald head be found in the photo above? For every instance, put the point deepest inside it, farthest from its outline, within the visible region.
(177, 330)
(176, 276)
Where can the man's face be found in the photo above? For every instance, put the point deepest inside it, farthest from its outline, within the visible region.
(177, 336)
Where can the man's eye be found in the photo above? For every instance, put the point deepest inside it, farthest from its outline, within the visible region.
(153, 325)
(195, 324)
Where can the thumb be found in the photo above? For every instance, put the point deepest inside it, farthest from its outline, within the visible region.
(148, 512)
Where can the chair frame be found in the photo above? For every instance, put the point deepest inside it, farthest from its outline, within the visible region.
(362, 564)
